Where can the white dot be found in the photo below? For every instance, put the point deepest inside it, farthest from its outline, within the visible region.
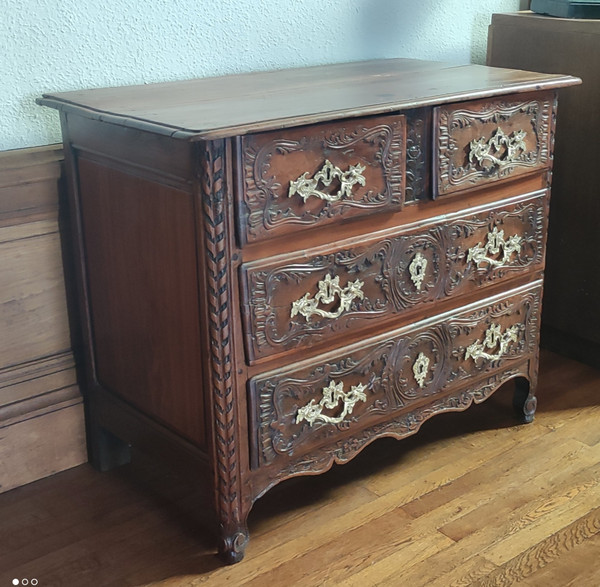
(24, 581)
(15, 581)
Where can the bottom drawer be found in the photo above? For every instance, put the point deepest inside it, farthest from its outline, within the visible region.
(331, 406)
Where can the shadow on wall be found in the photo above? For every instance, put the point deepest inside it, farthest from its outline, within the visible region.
(389, 30)
(479, 30)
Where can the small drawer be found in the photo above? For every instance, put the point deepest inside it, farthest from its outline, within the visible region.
(297, 300)
(330, 407)
(311, 176)
(490, 140)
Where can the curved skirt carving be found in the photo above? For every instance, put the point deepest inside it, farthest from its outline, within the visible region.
(384, 367)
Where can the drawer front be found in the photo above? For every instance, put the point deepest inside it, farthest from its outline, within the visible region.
(311, 176)
(303, 299)
(333, 405)
(490, 140)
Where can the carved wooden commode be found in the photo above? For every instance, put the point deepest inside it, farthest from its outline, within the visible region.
(277, 268)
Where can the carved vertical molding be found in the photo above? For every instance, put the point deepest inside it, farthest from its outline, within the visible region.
(234, 534)
(418, 154)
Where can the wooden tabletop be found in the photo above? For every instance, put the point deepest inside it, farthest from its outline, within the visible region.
(218, 107)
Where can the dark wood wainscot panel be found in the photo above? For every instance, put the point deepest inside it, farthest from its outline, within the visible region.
(41, 408)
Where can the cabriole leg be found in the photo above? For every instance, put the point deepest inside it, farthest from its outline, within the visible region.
(524, 400)
(232, 543)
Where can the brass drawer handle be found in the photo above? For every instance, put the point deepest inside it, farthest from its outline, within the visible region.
(493, 338)
(329, 288)
(332, 394)
(305, 186)
(501, 150)
(495, 242)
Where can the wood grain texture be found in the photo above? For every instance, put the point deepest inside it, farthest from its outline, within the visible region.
(520, 515)
(41, 417)
(233, 105)
(29, 184)
(140, 240)
(161, 235)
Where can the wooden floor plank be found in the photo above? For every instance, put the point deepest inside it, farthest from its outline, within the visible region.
(528, 532)
(536, 563)
(472, 499)
(515, 499)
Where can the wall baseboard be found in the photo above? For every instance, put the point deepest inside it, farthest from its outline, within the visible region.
(41, 409)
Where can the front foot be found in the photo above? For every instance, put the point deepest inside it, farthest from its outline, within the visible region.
(524, 402)
(106, 451)
(232, 545)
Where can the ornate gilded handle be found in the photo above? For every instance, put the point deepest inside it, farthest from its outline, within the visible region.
(495, 242)
(329, 288)
(501, 150)
(332, 394)
(493, 338)
(417, 270)
(420, 369)
(307, 186)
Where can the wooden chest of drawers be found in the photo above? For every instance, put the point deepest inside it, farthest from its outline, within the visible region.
(276, 269)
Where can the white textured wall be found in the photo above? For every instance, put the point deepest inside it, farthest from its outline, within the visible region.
(59, 45)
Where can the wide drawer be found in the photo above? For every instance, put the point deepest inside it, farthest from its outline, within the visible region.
(329, 407)
(295, 301)
(489, 140)
(311, 176)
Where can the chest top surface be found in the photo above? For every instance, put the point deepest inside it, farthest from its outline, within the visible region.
(219, 107)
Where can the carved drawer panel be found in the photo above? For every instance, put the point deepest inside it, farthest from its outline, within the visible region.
(308, 176)
(294, 301)
(330, 407)
(493, 139)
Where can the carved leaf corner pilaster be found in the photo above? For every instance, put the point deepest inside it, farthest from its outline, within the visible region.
(213, 193)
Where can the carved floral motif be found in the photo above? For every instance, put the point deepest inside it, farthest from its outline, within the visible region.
(418, 148)
(495, 151)
(395, 274)
(386, 374)
(375, 147)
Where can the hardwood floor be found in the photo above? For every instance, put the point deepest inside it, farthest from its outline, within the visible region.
(473, 499)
